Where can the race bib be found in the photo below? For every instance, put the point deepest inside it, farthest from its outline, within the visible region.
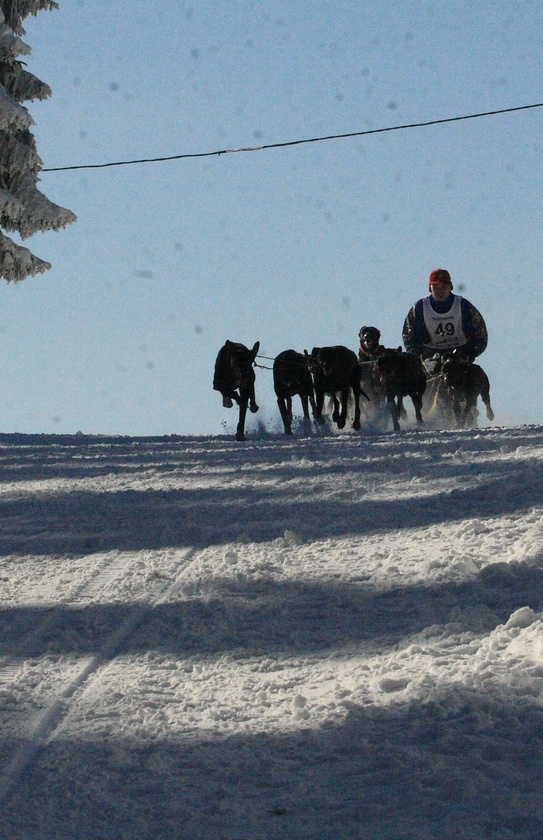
(445, 330)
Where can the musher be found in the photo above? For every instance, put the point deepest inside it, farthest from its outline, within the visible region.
(443, 322)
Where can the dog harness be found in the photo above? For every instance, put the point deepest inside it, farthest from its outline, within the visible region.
(445, 329)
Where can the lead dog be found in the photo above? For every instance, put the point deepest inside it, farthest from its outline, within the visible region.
(234, 377)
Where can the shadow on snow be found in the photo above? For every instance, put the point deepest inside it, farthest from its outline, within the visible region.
(464, 764)
(253, 619)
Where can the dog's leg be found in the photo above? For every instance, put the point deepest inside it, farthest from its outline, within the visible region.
(240, 431)
(229, 397)
(336, 413)
(393, 408)
(485, 396)
(356, 394)
(319, 406)
(289, 409)
(252, 401)
(284, 415)
(416, 399)
(342, 407)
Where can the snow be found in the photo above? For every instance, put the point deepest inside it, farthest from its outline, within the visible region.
(324, 636)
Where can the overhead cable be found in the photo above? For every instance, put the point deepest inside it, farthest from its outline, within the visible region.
(294, 142)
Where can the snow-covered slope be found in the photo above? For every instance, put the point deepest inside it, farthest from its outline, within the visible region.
(320, 637)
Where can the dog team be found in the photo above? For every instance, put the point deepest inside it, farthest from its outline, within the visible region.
(442, 334)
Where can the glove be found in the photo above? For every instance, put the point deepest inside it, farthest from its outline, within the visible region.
(463, 356)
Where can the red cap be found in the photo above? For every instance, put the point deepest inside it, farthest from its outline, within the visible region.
(439, 275)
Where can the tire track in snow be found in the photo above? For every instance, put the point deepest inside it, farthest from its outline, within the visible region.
(53, 715)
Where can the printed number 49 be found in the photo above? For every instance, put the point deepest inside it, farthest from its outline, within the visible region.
(445, 329)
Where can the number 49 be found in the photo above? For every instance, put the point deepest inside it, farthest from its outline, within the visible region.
(445, 329)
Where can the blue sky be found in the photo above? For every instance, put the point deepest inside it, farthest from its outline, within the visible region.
(295, 247)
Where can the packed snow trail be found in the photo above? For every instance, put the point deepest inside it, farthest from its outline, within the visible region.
(56, 709)
(319, 637)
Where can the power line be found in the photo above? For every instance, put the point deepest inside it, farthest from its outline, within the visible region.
(294, 142)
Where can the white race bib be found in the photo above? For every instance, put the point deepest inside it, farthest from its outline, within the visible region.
(445, 330)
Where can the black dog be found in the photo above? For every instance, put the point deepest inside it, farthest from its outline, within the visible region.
(234, 377)
(402, 375)
(291, 377)
(335, 371)
(370, 349)
(465, 382)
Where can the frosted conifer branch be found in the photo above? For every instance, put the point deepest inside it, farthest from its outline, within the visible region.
(10, 43)
(17, 262)
(22, 85)
(18, 155)
(23, 208)
(16, 11)
(12, 115)
(38, 212)
(10, 206)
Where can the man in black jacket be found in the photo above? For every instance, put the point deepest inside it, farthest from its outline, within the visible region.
(444, 322)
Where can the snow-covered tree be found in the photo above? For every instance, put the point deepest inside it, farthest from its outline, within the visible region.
(23, 208)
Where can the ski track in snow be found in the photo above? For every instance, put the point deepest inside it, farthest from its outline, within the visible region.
(337, 636)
